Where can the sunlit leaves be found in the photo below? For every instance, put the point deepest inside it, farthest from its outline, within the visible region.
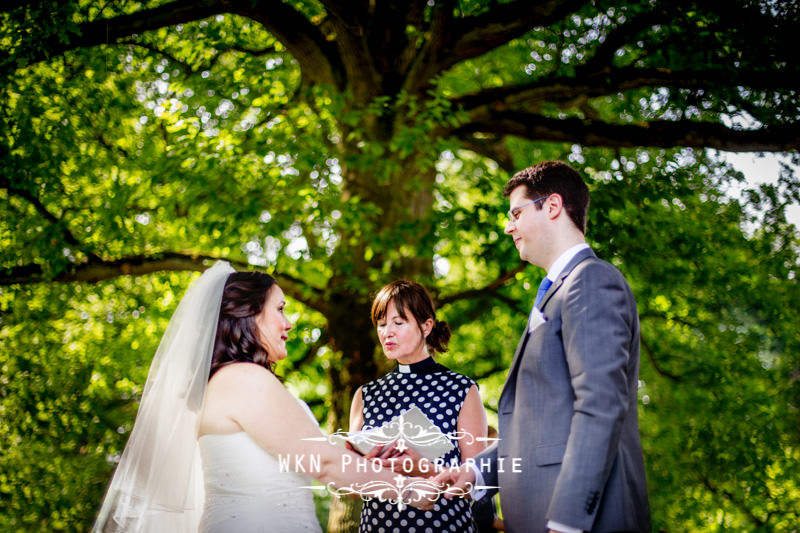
(711, 373)
(201, 138)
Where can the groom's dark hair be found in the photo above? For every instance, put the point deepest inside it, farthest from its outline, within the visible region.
(554, 177)
(237, 337)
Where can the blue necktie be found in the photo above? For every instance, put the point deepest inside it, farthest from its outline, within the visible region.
(543, 286)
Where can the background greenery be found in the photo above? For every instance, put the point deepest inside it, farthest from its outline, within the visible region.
(342, 144)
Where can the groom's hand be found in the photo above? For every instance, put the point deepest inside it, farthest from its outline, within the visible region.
(407, 461)
(459, 481)
(420, 493)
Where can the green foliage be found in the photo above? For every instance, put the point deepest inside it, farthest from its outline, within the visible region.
(73, 363)
(205, 139)
(717, 417)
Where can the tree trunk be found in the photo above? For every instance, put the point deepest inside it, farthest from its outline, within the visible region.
(355, 361)
(352, 340)
(345, 515)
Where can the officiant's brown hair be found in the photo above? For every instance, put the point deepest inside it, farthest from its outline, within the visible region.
(411, 297)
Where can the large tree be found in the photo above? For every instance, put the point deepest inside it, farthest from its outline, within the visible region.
(343, 144)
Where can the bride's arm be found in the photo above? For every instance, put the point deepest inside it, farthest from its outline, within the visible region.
(259, 404)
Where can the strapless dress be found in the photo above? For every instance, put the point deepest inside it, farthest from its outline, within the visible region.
(246, 491)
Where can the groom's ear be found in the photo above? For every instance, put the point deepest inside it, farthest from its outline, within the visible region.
(554, 205)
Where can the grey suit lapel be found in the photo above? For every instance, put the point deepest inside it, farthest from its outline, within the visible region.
(580, 256)
(509, 385)
(523, 342)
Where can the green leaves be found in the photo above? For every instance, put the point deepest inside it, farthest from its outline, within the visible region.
(205, 138)
(711, 373)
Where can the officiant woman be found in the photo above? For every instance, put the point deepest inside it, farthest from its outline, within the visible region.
(409, 333)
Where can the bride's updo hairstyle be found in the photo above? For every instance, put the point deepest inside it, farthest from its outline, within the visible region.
(411, 297)
(237, 338)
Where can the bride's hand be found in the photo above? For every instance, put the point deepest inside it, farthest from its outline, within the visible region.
(406, 460)
(420, 493)
(350, 447)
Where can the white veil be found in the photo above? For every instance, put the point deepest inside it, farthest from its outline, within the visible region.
(158, 484)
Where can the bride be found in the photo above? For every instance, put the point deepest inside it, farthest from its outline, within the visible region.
(219, 444)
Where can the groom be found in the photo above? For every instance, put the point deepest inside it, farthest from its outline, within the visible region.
(568, 410)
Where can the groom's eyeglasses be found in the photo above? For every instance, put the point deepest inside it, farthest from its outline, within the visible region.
(513, 215)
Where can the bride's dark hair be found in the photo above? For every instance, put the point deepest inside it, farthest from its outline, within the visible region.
(237, 337)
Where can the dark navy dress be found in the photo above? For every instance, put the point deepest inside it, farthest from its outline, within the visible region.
(439, 393)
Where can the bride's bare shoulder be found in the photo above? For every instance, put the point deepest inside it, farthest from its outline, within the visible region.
(240, 374)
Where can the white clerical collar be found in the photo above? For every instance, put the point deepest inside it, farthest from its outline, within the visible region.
(417, 367)
(562, 261)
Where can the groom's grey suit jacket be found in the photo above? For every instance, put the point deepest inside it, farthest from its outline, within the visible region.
(568, 410)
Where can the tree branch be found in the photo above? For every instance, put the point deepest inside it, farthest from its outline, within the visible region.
(318, 58)
(107, 31)
(40, 208)
(357, 63)
(94, 271)
(652, 358)
(189, 69)
(415, 14)
(297, 289)
(352, 11)
(621, 35)
(670, 318)
(563, 89)
(33, 200)
(660, 133)
(98, 270)
(404, 39)
(494, 148)
(417, 65)
(255, 52)
(740, 504)
(473, 36)
(489, 290)
(453, 40)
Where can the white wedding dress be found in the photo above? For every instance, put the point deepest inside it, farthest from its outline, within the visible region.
(246, 491)
(157, 486)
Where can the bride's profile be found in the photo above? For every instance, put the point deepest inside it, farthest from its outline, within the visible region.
(214, 420)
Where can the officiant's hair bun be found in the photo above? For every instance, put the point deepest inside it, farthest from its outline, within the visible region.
(411, 297)
(439, 336)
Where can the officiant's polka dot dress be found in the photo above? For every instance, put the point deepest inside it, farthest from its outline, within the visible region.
(439, 393)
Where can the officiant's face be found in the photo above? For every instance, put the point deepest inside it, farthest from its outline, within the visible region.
(273, 325)
(403, 339)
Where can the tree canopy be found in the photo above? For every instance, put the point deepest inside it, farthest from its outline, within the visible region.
(343, 144)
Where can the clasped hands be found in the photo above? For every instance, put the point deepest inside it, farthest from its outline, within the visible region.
(427, 480)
